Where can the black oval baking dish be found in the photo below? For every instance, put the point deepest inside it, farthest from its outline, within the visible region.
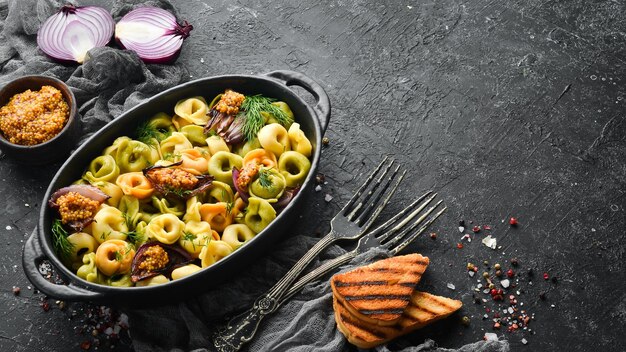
(313, 121)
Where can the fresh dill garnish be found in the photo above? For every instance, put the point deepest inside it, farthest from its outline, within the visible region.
(119, 256)
(188, 236)
(253, 106)
(61, 244)
(134, 237)
(229, 207)
(127, 220)
(181, 193)
(151, 135)
(264, 178)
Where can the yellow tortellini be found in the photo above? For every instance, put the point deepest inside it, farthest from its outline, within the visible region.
(213, 252)
(145, 206)
(165, 228)
(274, 137)
(194, 110)
(237, 234)
(109, 223)
(82, 243)
(185, 270)
(153, 281)
(299, 142)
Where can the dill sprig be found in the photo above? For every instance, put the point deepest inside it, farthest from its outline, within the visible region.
(151, 135)
(134, 237)
(181, 193)
(253, 105)
(188, 236)
(264, 178)
(61, 245)
(229, 207)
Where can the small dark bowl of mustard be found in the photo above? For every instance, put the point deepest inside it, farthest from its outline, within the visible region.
(38, 120)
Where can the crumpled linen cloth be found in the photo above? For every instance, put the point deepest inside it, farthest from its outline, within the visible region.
(304, 323)
(109, 82)
(114, 80)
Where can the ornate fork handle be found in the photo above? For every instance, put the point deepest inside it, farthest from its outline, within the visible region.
(242, 327)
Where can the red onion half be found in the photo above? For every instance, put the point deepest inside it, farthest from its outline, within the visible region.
(152, 33)
(71, 32)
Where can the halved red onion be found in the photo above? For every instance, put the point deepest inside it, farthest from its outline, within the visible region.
(242, 193)
(285, 199)
(68, 35)
(152, 33)
(177, 257)
(88, 191)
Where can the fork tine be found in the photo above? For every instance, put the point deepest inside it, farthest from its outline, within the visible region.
(392, 231)
(412, 237)
(372, 191)
(363, 186)
(373, 209)
(406, 230)
(383, 227)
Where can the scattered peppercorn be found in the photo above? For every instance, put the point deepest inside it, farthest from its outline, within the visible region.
(497, 266)
(45, 306)
(476, 229)
(510, 273)
(530, 272)
(498, 273)
(320, 179)
(486, 262)
(513, 222)
(325, 141)
(542, 296)
(459, 245)
(485, 275)
(514, 261)
(546, 276)
(433, 235)
(16, 290)
(554, 279)
(462, 223)
(85, 345)
(465, 320)
(496, 325)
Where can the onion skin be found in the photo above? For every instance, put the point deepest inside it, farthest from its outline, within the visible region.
(61, 34)
(285, 199)
(243, 194)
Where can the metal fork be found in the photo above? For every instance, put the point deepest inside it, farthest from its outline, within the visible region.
(351, 223)
(394, 240)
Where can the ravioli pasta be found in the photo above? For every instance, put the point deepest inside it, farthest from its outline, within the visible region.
(188, 190)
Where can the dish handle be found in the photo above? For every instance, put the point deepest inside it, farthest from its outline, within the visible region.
(31, 259)
(322, 105)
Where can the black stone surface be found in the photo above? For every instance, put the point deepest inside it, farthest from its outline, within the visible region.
(504, 108)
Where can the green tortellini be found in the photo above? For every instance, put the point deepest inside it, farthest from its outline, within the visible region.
(294, 167)
(167, 206)
(269, 185)
(119, 281)
(131, 155)
(259, 214)
(237, 234)
(195, 135)
(221, 166)
(218, 192)
(88, 270)
(102, 168)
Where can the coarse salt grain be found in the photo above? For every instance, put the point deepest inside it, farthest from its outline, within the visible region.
(524, 341)
(328, 198)
(461, 229)
(489, 336)
(510, 310)
(318, 188)
(489, 242)
(471, 273)
(451, 286)
(505, 283)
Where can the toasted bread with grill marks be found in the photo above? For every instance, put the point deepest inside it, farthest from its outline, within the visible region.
(423, 309)
(379, 293)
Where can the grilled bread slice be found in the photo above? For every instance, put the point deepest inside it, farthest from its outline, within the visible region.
(423, 309)
(378, 293)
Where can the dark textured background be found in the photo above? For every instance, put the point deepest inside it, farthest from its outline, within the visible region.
(505, 108)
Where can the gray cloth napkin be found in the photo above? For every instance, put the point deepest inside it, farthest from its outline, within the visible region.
(114, 80)
(304, 323)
